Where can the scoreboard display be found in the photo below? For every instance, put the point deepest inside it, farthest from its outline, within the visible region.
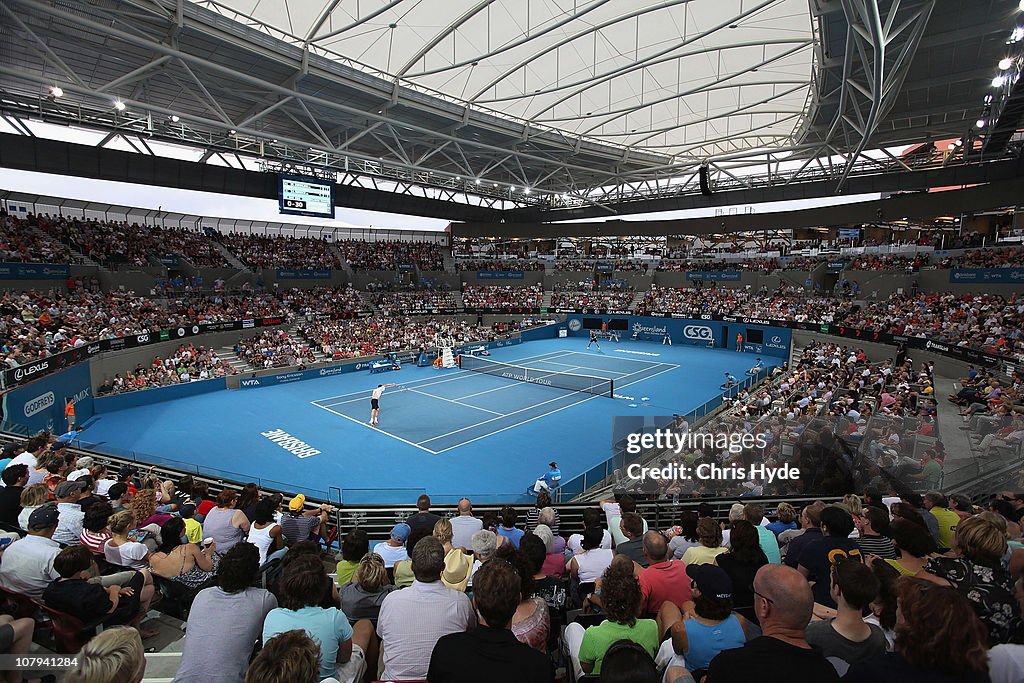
(305, 196)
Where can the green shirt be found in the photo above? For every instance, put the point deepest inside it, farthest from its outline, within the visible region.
(948, 521)
(932, 475)
(345, 571)
(598, 639)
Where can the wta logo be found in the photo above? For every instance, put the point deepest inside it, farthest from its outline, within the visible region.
(702, 332)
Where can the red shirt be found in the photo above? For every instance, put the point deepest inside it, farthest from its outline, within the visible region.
(664, 582)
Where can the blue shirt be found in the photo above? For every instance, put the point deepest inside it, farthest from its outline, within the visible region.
(769, 544)
(328, 627)
(778, 527)
(514, 535)
(552, 477)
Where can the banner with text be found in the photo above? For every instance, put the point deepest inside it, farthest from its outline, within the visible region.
(990, 275)
(291, 274)
(34, 271)
(499, 275)
(716, 275)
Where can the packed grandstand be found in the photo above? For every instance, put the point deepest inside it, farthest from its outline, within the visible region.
(648, 563)
(514, 342)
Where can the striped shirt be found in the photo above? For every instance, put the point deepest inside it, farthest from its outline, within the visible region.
(877, 545)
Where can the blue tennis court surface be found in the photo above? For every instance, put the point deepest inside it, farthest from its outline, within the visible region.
(438, 414)
(446, 432)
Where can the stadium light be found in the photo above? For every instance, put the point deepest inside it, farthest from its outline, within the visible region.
(1005, 63)
(477, 181)
(1017, 35)
(998, 81)
(57, 91)
(119, 105)
(1021, 6)
(980, 123)
(231, 132)
(174, 118)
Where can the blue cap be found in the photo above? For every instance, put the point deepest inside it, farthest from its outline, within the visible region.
(400, 532)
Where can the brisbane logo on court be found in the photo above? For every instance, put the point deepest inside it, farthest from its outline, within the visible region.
(698, 332)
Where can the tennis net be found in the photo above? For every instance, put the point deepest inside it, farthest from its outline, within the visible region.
(588, 384)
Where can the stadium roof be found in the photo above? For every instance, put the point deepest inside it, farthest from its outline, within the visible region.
(524, 103)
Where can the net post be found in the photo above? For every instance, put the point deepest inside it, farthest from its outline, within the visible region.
(611, 388)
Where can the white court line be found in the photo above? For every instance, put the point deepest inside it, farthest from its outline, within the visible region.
(516, 412)
(517, 383)
(430, 381)
(616, 358)
(550, 412)
(377, 429)
(584, 367)
(456, 402)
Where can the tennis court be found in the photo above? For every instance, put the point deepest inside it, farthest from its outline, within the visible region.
(437, 414)
(449, 432)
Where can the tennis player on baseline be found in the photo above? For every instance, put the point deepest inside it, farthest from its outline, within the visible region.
(375, 403)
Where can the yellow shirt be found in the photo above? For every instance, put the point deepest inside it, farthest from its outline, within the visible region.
(700, 554)
(900, 568)
(193, 531)
(948, 521)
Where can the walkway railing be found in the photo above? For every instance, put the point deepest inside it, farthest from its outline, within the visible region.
(605, 472)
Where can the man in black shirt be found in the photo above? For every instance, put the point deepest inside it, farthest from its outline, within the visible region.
(490, 651)
(818, 558)
(120, 598)
(15, 477)
(423, 516)
(783, 603)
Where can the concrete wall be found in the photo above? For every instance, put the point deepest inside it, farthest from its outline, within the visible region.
(875, 352)
(114, 362)
(884, 282)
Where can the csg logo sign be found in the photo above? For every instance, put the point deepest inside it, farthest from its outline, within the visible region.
(575, 325)
(142, 339)
(39, 404)
(701, 332)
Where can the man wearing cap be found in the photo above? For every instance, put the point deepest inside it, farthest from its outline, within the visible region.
(713, 626)
(393, 550)
(27, 565)
(298, 526)
(69, 527)
(550, 480)
(783, 603)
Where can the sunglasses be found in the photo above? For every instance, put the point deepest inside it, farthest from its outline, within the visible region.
(764, 597)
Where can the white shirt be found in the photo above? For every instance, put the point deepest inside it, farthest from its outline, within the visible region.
(27, 565)
(391, 554)
(377, 392)
(575, 542)
(463, 528)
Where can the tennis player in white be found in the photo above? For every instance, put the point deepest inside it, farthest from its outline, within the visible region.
(375, 403)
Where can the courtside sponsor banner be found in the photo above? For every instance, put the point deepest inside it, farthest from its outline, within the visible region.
(40, 405)
(289, 274)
